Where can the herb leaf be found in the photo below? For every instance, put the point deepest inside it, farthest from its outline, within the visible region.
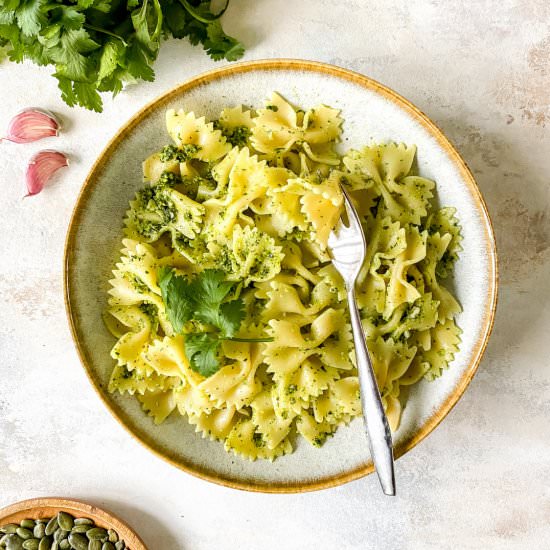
(202, 352)
(177, 296)
(221, 46)
(211, 287)
(98, 45)
(230, 317)
(203, 299)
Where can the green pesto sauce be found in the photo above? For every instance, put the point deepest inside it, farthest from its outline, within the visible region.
(180, 154)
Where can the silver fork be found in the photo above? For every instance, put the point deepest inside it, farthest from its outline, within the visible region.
(347, 246)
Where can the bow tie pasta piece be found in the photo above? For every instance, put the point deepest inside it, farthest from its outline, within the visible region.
(124, 381)
(158, 403)
(153, 167)
(419, 316)
(320, 204)
(140, 260)
(192, 402)
(254, 195)
(390, 361)
(294, 391)
(166, 357)
(275, 127)
(243, 440)
(236, 125)
(287, 216)
(444, 221)
(236, 117)
(405, 197)
(387, 240)
(279, 126)
(235, 385)
(216, 425)
(399, 289)
(185, 129)
(311, 430)
(141, 327)
(322, 125)
(339, 403)
(158, 209)
(298, 338)
(445, 338)
(273, 428)
(254, 256)
(436, 246)
(241, 180)
(283, 298)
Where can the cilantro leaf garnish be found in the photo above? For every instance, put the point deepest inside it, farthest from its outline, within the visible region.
(98, 45)
(231, 316)
(177, 296)
(203, 299)
(202, 352)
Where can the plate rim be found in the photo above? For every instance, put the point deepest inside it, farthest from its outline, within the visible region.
(466, 175)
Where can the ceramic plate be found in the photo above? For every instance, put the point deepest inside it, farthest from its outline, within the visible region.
(371, 112)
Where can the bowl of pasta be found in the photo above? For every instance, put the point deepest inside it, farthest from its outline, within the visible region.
(213, 324)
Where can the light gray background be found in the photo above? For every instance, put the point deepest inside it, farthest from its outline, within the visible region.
(481, 70)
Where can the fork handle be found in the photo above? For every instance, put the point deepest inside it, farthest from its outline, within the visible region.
(376, 423)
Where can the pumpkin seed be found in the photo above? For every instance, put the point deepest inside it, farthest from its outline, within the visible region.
(97, 533)
(78, 542)
(65, 521)
(81, 528)
(51, 526)
(60, 535)
(62, 532)
(24, 533)
(39, 531)
(13, 542)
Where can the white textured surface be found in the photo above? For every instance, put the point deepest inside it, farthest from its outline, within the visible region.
(481, 71)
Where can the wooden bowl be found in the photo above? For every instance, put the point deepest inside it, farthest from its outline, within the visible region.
(39, 508)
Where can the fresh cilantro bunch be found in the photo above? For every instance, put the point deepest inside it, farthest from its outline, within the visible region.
(203, 299)
(97, 45)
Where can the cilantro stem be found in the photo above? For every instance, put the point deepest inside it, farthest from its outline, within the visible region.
(99, 29)
(200, 17)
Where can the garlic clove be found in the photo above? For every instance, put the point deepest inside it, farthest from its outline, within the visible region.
(42, 166)
(31, 125)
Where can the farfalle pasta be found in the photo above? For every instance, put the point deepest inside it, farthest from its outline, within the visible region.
(254, 195)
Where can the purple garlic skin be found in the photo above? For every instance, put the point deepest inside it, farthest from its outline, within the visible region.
(42, 166)
(31, 125)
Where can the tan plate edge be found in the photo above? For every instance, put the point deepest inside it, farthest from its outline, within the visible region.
(419, 116)
(46, 507)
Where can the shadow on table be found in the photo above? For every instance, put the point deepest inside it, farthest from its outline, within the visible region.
(154, 534)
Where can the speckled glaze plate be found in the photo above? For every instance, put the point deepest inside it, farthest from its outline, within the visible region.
(371, 111)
